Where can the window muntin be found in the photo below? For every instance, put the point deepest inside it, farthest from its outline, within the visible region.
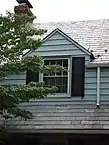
(60, 80)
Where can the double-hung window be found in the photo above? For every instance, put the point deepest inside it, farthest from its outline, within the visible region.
(70, 83)
(60, 79)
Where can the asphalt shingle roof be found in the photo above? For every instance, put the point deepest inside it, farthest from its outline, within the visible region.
(62, 116)
(93, 35)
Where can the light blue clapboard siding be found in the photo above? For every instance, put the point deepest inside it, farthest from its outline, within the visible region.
(15, 79)
(57, 45)
(16, 76)
(104, 84)
(56, 36)
(12, 82)
(57, 53)
(90, 86)
(57, 42)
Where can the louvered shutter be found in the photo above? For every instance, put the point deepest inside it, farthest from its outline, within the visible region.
(32, 76)
(77, 81)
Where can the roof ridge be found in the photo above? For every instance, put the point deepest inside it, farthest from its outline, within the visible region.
(74, 21)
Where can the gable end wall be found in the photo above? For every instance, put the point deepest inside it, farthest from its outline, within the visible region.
(57, 45)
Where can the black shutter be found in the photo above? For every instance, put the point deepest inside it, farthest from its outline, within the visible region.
(32, 76)
(78, 69)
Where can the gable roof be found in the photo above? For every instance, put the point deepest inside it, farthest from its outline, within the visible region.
(68, 38)
(93, 35)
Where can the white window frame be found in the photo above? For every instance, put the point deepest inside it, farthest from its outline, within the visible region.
(69, 77)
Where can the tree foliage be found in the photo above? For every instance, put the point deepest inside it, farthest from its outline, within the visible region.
(17, 36)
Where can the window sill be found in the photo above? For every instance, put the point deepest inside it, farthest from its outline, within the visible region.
(60, 98)
(58, 95)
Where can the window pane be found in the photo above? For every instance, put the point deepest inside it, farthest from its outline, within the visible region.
(65, 63)
(65, 73)
(52, 81)
(52, 62)
(46, 80)
(59, 82)
(59, 62)
(59, 73)
(46, 62)
(65, 84)
(49, 81)
(57, 79)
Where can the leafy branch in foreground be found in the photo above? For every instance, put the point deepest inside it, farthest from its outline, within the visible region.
(17, 36)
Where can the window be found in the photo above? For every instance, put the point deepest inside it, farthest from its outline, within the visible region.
(71, 83)
(60, 80)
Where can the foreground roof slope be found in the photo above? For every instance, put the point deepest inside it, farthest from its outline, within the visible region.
(93, 35)
(61, 117)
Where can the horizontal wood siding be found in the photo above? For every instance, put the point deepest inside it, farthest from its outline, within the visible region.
(90, 87)
(57, 53)
(56, 36)
(104, 84)
(15, 79)
(57, 45)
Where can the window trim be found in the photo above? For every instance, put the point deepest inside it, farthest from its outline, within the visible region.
(69, 77)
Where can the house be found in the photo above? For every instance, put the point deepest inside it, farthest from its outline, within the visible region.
(79, 112)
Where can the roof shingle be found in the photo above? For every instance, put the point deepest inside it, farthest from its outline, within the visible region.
(63, 116)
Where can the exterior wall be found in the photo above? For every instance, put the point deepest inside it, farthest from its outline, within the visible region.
(90, 87)
(57, 45)
(104, 85)
(90, 84)
(15, 79)
(64, 112)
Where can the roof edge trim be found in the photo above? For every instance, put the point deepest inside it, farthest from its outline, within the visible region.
(92, 65)
(82, 131)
